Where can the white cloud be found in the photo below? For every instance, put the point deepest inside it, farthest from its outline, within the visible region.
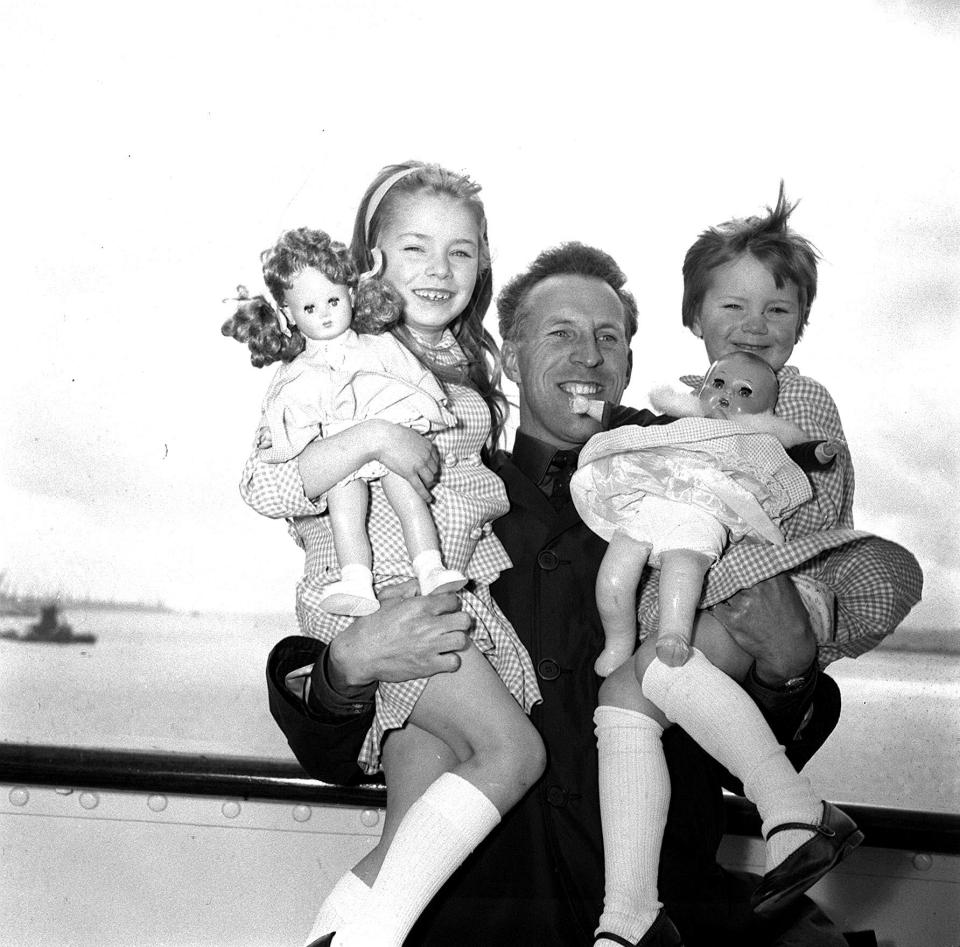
(157, 155)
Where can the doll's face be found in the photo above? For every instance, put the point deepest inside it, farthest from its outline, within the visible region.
(320, 309)
(736, 385)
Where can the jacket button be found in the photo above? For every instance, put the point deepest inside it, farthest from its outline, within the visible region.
(548, 560)
(476, 532)
(548, 669)
(451, 460)
(557, 796)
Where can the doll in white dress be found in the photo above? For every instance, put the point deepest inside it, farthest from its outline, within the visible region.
(341, 365)
(674, 495)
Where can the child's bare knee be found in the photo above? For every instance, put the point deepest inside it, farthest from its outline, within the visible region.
(522, 755)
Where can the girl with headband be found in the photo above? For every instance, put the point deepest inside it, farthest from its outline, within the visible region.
(461, 751)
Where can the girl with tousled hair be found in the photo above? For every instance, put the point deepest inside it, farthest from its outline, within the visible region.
(457, 750)
(340, 366)
(748, 286)
(788, 256)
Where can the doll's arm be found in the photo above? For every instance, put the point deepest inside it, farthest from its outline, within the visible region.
(298, 487)
(813, 455)
(326, 461)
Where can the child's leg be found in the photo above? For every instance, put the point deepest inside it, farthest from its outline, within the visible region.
(681, 582)
(634, 799)
(499, 756)
(717, 713)
(420, 536)
(617, 582)
(353, 594)
(412, 760)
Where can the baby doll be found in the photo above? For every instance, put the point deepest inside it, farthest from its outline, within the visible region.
(675, 494)
(341, 365)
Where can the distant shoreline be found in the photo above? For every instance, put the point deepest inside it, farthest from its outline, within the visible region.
(943, 640)
(25, 608)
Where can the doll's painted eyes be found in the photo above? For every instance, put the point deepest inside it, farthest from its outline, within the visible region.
(744, 391)
(309, 309)
(333, 302)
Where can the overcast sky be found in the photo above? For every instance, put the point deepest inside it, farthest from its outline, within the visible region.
(151, 152)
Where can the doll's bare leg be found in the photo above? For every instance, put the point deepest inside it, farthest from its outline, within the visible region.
(420, 535)
(353, 594)
(617, 583)
(681, 582)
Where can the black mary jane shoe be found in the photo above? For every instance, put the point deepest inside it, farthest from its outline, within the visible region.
(662, 933)
(324, 941)
(836, 836)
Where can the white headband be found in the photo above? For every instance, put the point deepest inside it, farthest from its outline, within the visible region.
(381, 192)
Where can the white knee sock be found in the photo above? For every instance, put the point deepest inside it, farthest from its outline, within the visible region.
(347, 900)
(438, 832)
(634, 798)
(719, 715)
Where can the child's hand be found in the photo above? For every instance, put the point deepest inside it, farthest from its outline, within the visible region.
(264, 440)
(408, 454)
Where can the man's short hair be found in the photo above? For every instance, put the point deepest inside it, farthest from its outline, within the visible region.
(568, 259)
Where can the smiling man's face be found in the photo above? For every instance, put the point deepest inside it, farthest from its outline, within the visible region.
(572, 341)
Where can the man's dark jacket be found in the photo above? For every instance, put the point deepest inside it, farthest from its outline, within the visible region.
(538, 878)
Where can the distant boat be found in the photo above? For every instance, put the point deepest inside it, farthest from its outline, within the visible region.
(50, 630)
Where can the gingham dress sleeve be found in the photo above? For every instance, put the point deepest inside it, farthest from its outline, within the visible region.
(276, 490)
(872, 583)
(809, 405)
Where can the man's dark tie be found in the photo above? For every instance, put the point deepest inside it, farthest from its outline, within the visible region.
(561, 469)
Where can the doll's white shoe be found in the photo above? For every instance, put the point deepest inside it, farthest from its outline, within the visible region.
(673, 650)
(442, 580)
(612, 657)
(349, 597)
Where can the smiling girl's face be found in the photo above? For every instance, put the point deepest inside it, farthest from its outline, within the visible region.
(320, 309)
(431, 245)
(745, 311)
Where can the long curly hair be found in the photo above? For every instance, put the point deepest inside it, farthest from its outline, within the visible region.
(482, 370)
(376, 304)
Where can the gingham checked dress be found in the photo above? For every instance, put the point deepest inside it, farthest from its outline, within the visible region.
(468, 497)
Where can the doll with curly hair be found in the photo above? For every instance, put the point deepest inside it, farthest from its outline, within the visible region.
(342, 365)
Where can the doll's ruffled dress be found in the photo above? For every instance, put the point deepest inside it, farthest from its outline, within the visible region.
(744, 480)
(336, 383)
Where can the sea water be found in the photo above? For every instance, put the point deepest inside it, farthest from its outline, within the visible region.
(153, 680)
(194, 683)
